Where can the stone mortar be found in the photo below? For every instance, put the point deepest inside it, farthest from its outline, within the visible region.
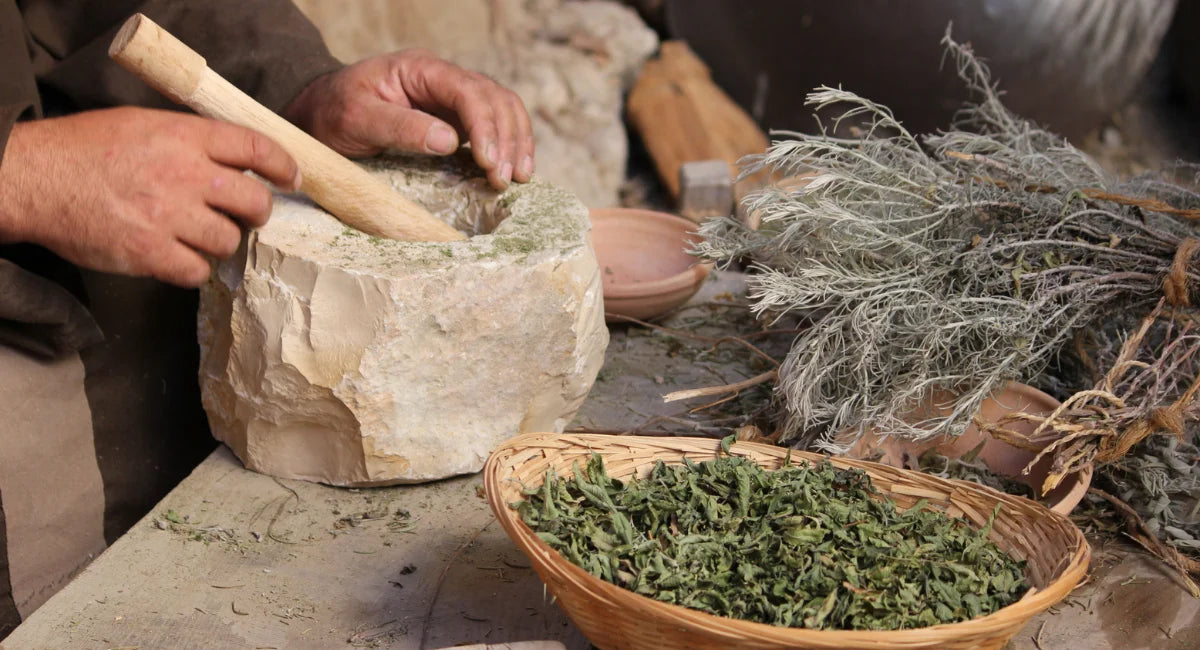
(332, 356)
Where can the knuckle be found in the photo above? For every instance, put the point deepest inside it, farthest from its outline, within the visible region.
(467, 88)
(482, 131)
(461, 99)
(245, 198)
(258, 148)
(519, 109)
(506, 136)
(409, 131)
(483, 85)
(260, 200)
(226, 238)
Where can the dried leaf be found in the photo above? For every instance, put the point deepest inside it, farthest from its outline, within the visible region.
(804, 545)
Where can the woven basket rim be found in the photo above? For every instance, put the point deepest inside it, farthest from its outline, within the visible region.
(1032, 603)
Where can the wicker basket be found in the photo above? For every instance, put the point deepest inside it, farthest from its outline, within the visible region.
(613, 617)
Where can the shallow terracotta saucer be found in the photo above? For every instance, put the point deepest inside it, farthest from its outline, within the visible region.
(644, 261)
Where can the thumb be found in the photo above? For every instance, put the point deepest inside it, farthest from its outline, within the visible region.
(414, 131)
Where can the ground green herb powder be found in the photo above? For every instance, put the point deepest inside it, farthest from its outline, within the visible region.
(802, 546)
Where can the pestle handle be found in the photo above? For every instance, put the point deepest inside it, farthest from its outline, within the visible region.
(343, 188)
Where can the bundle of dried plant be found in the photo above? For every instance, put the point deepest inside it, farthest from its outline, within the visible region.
(951, 262)
(1138, 424)
(1150, 387)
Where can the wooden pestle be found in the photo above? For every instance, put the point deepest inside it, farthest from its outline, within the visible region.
(343, 188)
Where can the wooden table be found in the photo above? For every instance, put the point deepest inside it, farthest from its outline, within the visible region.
(235, 559)
(333, 567)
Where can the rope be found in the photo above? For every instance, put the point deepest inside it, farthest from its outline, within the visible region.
(1175, 285)
(1168, 419)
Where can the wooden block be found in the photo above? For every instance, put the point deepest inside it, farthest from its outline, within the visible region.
(705, 189)
(682, 116)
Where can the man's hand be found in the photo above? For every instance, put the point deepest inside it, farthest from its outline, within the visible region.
(414, 101)
(137, 191)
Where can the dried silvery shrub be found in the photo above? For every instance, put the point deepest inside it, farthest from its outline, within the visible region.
(953, 262)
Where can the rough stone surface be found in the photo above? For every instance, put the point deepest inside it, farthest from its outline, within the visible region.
(570, 62)
(332, 356)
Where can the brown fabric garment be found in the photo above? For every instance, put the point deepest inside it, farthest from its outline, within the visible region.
(54, 500)
(42, 317)
(146, 425)
(9, 616)
(54, 54)
(149, 426)
(265, 47)
(18, 87)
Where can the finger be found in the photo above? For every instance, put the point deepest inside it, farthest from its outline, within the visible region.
(481, 130)
(437, 85)
(523, 170)
(244, 148)
(209, 232)
(508, 134)
(240, 196)
(406, 129)
(180, 265)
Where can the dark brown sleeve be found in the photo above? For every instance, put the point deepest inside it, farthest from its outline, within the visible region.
(41, 317)
(265, 47)
(8, 117)
(18, 92)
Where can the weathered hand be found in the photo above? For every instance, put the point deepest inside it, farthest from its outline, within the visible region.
(137, 191)
(413, 101)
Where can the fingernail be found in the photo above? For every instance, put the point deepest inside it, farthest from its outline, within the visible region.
(527, 166)
(297, 181)
(490, 152)
(506, 173)
(440, 139)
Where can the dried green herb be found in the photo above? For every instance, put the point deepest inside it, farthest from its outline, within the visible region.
(802, 546)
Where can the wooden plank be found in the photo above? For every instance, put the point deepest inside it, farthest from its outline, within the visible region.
(682, 116)
(314, 581)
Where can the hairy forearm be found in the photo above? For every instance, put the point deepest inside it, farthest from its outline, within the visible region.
(14, 184)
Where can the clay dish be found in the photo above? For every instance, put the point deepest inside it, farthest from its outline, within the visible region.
(1000, 457)
(644, 264)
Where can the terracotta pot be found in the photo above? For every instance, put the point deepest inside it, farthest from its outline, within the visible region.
(644, 263)
(1001, 458)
